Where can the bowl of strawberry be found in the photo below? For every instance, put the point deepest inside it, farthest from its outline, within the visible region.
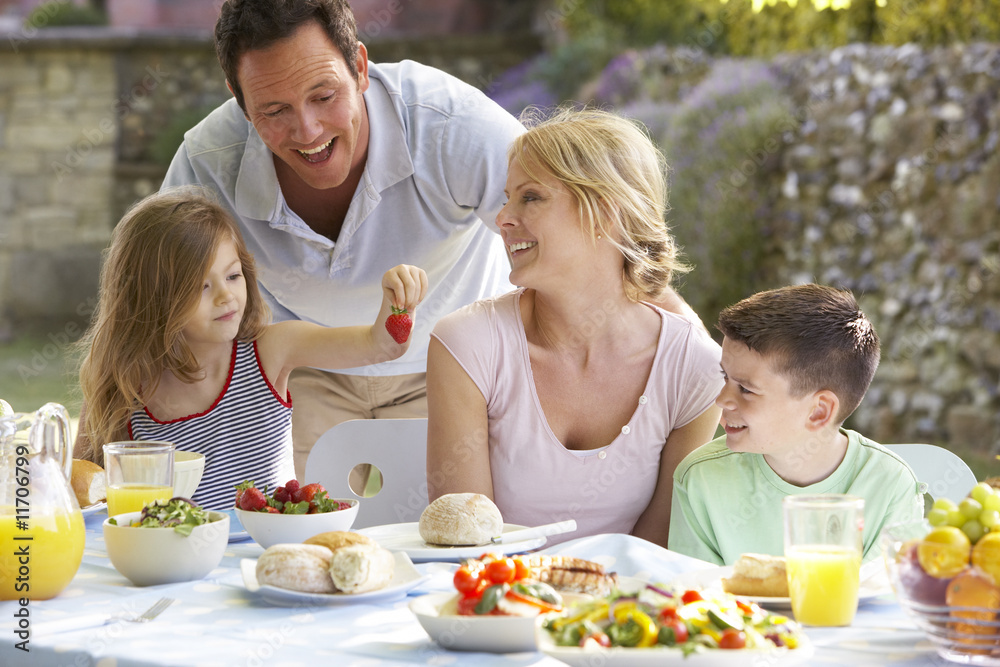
(292, 514)
(493, 608)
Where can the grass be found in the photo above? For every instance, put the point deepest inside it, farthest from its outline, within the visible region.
(34, 371)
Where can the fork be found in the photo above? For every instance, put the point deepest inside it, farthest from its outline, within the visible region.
(96, 620)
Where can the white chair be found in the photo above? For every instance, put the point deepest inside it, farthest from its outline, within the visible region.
(397, 447)
(944, 472)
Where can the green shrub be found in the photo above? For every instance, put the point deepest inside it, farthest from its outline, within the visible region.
(722, 141)
(167, 140)
(63, 13)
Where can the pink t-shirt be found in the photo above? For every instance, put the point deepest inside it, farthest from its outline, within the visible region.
(536, 480)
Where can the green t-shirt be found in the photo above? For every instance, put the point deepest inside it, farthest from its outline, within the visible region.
(728, 503)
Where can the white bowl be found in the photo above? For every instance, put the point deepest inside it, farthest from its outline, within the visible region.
(151, 556)
(438, 614)
(269, 529)
(188, 469)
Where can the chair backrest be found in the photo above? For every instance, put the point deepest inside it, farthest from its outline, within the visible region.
(944, 472)
(397, 447)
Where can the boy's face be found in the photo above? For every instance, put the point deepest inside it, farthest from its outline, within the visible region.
(759, 413)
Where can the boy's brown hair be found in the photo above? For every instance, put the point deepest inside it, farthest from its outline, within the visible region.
(814, 335)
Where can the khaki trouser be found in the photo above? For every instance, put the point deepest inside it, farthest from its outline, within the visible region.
(321, 400)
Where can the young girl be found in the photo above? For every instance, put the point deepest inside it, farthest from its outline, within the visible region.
(180, 350)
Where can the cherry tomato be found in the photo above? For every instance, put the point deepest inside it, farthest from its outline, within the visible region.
(500, 571)
(466, 581)
(691, 596)
(667, 614)
(521, 569)
(467, 605)
(733, 638)
(674, 631)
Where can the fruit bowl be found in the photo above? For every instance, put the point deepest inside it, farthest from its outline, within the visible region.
(956, 603)
(269, 529)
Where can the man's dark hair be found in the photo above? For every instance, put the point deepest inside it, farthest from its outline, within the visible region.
(248, 25)
(816, 336)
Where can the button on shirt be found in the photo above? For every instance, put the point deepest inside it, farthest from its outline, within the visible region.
(429, 196)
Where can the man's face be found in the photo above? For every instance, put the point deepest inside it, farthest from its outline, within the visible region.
(306, 106)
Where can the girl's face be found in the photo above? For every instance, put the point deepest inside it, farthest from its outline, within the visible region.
(219, 312)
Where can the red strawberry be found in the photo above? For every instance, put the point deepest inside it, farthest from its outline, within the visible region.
(399, 325)
(282, 495)
(307, 492)
(252, 500)
(292, 486)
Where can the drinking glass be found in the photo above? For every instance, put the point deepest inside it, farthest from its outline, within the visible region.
(138, 473)
(823, 546)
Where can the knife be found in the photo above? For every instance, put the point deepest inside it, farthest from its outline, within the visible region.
(544, 530)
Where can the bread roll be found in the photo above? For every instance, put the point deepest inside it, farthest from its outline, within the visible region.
(360, 568)
(758, 575)
(336, 539)
(88, 482)
(296, 567)
(460, 519)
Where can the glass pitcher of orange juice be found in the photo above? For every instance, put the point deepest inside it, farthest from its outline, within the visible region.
(41, 526)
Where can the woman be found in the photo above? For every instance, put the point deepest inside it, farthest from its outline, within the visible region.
(573, 397)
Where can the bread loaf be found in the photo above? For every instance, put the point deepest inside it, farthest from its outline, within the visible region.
(758, 575)
(460, 519)
(336, 539)
(88, 482)
(359, 568)
(297, 567)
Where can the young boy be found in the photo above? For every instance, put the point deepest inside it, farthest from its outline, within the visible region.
(796, 363)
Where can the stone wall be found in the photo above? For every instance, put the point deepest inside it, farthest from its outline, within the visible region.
(890, 186)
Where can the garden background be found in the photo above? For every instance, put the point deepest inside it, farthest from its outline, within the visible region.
(853, 146)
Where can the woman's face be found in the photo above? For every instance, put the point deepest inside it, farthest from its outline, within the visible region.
(542, 230)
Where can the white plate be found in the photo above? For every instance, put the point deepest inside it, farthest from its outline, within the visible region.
(404, 578)
(405, 537)
(711, 579)
(641, 657)
(94, 509)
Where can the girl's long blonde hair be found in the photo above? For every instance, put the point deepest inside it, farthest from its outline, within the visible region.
(150, 285)
(618, 177)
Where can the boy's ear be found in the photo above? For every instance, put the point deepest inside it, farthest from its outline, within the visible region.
(823, 413)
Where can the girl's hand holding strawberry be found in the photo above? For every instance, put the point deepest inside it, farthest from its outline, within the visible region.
(403, 288)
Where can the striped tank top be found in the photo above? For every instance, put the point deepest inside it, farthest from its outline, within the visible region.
(245, 435)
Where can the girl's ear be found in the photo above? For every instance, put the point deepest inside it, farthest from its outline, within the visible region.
(823, 413)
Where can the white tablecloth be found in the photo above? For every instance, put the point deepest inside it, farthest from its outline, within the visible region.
(217, 622)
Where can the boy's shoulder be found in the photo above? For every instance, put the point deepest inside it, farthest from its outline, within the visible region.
(711, 455)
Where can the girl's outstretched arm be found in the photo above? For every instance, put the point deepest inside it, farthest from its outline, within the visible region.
(288, 345)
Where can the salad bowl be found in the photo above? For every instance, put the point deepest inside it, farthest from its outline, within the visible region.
(148, 556)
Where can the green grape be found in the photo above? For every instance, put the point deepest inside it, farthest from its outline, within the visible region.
(956, 518)
(973, 530)
(992, 502)
(970, 508)
(938, 517)
(946, 504)
(980, 492)
(989, 518)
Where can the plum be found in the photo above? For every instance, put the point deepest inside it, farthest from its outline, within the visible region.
(917, 584)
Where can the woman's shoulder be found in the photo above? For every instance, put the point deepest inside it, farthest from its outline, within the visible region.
(497, 309)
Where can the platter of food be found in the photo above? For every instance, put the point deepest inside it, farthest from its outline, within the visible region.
(497, 599)
(671, 625)
(405, 537)
(405, 577)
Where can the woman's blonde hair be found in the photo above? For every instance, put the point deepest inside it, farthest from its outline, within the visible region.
(150, 285)
(618, 177)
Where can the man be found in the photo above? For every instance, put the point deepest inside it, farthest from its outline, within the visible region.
(339, 169)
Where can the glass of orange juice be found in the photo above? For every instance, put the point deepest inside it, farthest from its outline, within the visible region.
(823, 546)
(138, 473)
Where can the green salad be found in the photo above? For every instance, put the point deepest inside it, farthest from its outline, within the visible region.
(180, 514)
